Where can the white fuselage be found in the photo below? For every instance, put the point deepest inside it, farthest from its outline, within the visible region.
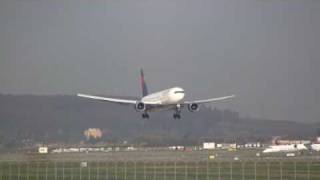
(285, 148)
(315, 147)
(166, 97)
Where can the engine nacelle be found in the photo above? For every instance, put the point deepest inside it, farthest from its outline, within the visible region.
(140, 107)
(193, 107)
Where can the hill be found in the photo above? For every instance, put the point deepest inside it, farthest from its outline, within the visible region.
(29, 118)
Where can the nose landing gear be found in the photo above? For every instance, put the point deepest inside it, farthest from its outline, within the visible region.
(177, 115)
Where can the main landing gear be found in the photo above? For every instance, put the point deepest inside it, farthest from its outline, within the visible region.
(145, 116)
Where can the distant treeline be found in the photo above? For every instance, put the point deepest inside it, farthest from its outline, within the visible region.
(26, 119)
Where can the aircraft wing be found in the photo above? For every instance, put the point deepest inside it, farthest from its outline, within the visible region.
(115, 100)
(209, 100)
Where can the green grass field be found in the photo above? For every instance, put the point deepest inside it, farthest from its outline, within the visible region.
(161, 170)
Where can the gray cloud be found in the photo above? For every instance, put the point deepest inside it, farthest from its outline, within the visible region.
(266, 52)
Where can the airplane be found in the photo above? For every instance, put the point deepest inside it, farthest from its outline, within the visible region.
(285, 148)
(169, 99)
(315, 147)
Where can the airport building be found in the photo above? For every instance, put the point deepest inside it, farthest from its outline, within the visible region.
(209, 145)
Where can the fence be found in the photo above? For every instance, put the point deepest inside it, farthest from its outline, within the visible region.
(203, 170)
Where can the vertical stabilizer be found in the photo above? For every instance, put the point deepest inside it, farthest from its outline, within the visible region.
(143, 84)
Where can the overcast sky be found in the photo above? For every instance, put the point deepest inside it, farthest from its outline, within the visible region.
(266, 52)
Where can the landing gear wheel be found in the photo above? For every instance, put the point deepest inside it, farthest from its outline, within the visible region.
(145, 116)
(176, 116)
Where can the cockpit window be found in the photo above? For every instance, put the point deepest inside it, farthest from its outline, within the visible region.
(176, 92)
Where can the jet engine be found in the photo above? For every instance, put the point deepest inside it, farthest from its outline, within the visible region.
(140, 107)
(193, 107)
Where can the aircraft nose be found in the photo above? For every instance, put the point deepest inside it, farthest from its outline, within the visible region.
(177, 94)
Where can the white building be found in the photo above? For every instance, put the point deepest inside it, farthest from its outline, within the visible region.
(43, 150)
(209, 145)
